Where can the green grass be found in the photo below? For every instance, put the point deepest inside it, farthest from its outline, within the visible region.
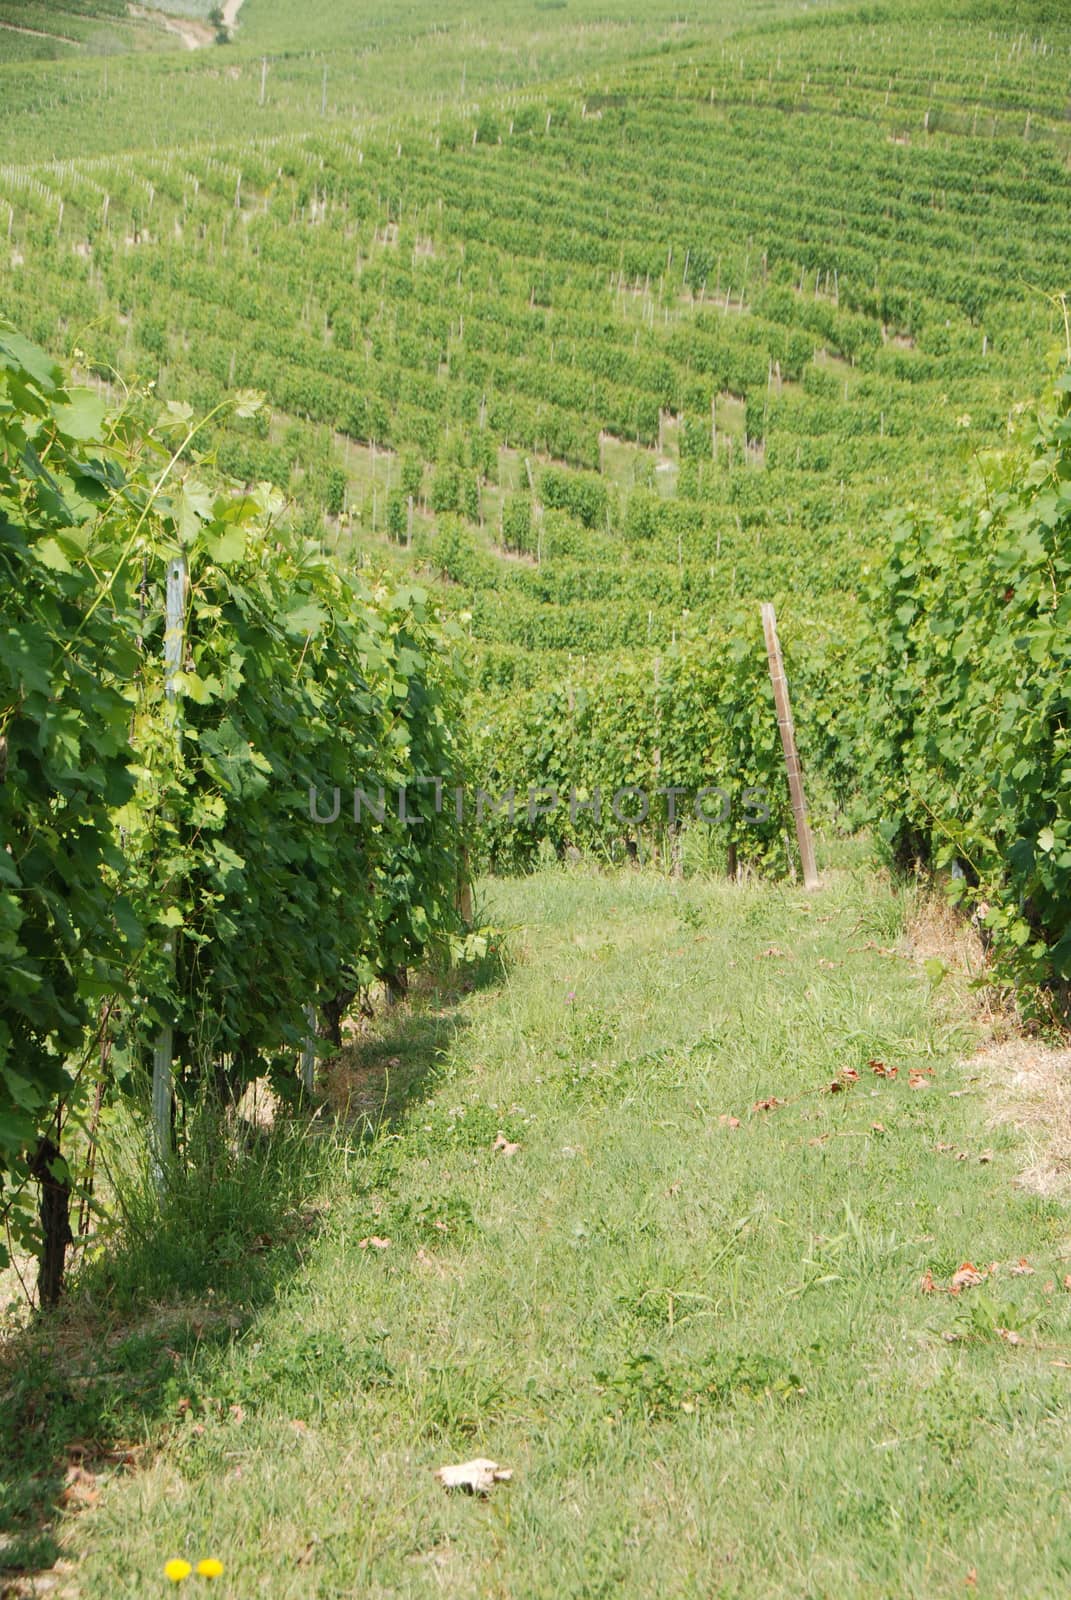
(703, 1349)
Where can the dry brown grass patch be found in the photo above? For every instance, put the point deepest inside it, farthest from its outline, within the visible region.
(1027, 1081)
(1030, 1090)
(936, 931)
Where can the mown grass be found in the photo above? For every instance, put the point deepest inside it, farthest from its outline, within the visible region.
(703, 1348)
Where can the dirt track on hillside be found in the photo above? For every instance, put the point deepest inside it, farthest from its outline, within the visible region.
(195, 35)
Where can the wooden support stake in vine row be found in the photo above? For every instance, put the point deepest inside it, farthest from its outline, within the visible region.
(788, 745)
(164, 1049)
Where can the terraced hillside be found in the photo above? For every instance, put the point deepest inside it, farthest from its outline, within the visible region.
(674, 337)
(76, 30)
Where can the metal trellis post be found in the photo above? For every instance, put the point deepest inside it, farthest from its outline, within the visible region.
(163, 1050)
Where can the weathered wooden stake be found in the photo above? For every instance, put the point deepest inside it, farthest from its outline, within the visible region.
(788, 745)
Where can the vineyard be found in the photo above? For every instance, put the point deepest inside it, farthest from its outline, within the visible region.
(425, 403)
(160, 870)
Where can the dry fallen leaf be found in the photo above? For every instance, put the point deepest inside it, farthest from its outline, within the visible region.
(79, 1489)
(475, 1477)
(880, 1070)
(985, 1157)
(926, 1283)
(237, 1413)
(971, 1580)
(769, 1104)
(942, 1149)
(503, 1145)
(374, 1242)
(1021, 1269)
(917, 1079)
(1009, 1335)
(729, 1122)
(967, 1277)
(877, 1127)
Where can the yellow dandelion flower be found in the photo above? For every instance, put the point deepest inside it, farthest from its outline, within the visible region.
(176, 1569)
(210, 1567)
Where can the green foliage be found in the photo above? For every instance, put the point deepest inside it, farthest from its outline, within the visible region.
(67, 657)
(445, 487)
(470, 496)
(334, 491)
(695, 718)
(654, 1390)
(582, 495)
(641, 516)
(397, 516)
(970, 716)
(550, 284)
(165, 856)
(412, 474)
(517, 523)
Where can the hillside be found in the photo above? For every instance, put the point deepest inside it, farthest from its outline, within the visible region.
(756, 292)
(404, 413)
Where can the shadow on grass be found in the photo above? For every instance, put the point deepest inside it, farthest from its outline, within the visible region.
(91, 1388)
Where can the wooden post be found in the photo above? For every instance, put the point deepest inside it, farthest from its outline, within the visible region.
(164, 1048)
(788, 745)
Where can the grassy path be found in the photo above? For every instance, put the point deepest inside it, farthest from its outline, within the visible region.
(702, 1347)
